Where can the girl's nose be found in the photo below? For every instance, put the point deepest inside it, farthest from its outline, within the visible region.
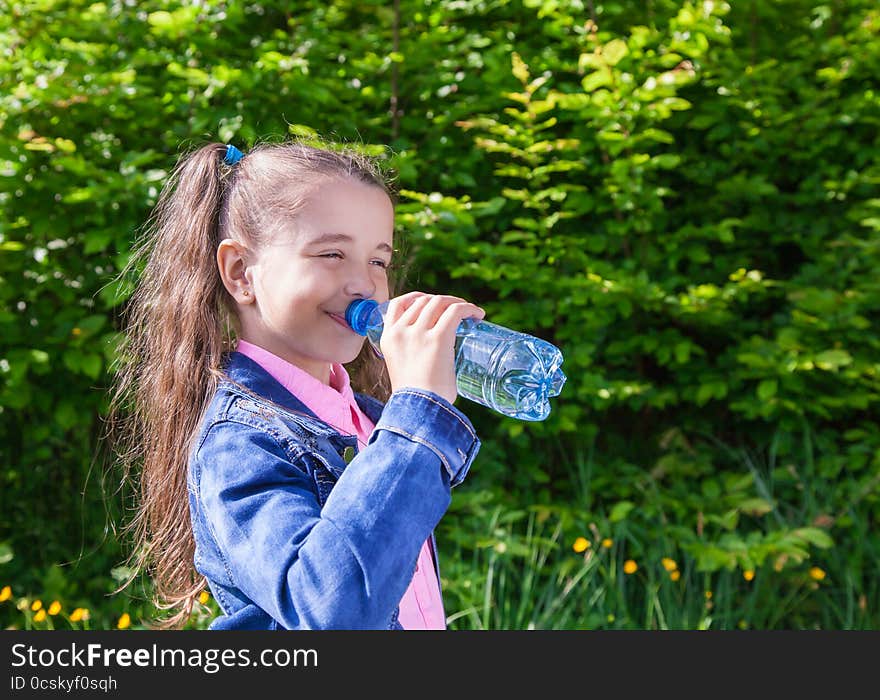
(360, 286)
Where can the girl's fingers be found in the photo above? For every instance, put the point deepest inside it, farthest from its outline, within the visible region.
(433, 310)
(414, 310)
(399, 305)
(455, 313)
(425, 311)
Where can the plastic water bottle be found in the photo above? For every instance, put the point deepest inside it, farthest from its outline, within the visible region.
(513, 373)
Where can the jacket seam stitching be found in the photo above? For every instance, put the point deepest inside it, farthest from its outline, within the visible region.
(277, 439)
(434, 401)
(422, 441)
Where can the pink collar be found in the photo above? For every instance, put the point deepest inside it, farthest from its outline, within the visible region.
(334, 403)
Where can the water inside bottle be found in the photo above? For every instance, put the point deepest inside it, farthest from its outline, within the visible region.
(508, 371)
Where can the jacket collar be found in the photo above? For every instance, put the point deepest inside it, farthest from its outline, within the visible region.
(243, 370)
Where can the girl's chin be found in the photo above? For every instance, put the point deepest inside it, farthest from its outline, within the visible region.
(344, 358)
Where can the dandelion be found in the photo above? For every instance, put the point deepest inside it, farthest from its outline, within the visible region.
(40, 616)
(36, 605)
(675, 575)
(55, 608)
(79, 614)
(817, 574)
(669, 564)
(708, 595)
(607, 542)
(5, 593)
(75, 332)
(630, 567)
(124, 622)
(204, 597)
(748, 574)
(581, 544)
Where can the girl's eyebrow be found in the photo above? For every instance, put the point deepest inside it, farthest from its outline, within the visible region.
(343, 238)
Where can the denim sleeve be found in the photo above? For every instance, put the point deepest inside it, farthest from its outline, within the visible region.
(345, 566)
(441, 428)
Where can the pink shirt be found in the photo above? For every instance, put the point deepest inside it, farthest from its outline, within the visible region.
(421, 607)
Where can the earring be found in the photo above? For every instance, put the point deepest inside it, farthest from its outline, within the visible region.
(246, 293)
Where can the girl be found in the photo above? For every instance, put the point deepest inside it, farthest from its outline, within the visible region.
(302, 504)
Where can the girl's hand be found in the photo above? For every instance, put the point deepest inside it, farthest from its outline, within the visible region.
(418, 341)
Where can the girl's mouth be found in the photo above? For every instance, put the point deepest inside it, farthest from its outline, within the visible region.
(339, 319)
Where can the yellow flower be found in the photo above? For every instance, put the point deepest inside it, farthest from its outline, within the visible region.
(75, 332)
(607, 542)
(6, 593)
(708, 595)
(669, 564)
(581, 544)
(124, 622)
(630, 567)
(79, 614)
(748, 574)
(817, 574)
(204, 597)
(675, 575)
(40, 616)
(55, 608)
(36, 605)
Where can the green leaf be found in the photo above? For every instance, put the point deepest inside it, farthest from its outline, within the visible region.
(704, 393)
(520, 69)
(6, 553)
(814, 536)
(755, 506)
(666, 161)
(39, 357)
(620, 510)
(596, 79)
(767, 389)
(160, 19)
(90, 364)
(833, 359)
(614, 51)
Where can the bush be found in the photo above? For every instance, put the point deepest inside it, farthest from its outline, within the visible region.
(681, 196)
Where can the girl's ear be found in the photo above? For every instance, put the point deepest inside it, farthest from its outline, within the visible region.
(232, 263)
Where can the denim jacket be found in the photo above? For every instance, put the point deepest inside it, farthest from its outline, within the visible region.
(296, 529)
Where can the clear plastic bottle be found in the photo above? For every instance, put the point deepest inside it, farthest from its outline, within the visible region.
(513, 373)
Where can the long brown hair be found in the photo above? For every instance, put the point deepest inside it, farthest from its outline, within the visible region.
(180, 322)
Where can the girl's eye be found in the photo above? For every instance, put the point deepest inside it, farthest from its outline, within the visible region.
(336, 255)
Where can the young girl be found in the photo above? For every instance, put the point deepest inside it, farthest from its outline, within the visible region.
(301, 504)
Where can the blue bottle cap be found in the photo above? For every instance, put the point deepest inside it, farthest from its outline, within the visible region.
(358, 313)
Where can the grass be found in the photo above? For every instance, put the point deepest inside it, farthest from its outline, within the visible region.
(710, 536)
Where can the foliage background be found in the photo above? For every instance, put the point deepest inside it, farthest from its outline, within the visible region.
(683, 196)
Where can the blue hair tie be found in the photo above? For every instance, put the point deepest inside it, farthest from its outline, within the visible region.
(233, 155)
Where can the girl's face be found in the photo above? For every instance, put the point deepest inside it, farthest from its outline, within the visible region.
(337, 250)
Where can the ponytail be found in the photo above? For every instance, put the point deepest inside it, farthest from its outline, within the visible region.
(177, 329)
